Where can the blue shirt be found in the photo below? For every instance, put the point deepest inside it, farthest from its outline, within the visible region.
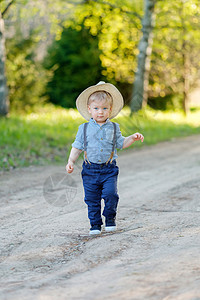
(99, 140)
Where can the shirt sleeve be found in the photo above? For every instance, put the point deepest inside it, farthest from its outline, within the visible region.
(79, 140)
(119, 138)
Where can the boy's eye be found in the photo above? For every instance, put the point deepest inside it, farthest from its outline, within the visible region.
(105, 108)
(96, 108)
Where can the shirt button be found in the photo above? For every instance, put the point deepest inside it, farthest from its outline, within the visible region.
(102, 139)
(101, 150)
(99, 160)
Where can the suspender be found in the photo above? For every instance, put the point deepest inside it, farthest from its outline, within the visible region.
(113, 146)
(85, 143)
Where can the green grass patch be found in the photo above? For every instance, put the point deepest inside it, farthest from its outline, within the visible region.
(157, 126)
(46, 136)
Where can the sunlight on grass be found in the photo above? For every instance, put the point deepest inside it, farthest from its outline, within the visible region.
(158, 126)
(46, 136)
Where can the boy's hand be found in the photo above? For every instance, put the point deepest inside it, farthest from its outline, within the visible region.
(138, 137)
(70, 167)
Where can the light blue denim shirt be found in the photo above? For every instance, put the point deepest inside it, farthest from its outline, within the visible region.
(99, 141)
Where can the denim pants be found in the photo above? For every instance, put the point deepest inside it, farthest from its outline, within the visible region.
(100, 181)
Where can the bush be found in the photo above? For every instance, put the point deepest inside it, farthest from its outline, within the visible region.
(169, 102)
(26, 78)
(75, 65)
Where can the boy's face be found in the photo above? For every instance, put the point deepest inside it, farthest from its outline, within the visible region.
(100, 110)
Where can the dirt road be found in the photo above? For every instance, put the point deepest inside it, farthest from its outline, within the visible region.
(155, 254)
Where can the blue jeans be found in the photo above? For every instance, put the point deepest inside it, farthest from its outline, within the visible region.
(100, 181)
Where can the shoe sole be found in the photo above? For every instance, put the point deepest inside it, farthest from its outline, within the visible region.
(94, 232)
(110, 228)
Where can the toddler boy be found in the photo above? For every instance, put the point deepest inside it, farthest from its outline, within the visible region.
(99, 139)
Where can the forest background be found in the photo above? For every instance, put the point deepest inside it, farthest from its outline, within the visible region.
(56, 49)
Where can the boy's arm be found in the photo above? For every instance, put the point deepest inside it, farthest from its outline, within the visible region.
(77, 148)
(131, 139)
(74, 154)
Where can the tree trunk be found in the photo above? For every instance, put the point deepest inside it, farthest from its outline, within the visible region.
(186, 84)
(185, 62)
(4, 103)
(140, 87)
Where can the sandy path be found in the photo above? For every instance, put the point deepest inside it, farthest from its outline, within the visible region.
(155, 254)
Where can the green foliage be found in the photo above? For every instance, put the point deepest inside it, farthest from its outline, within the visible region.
(118, 29)
(176, 45)
(74, 63)
(169, 102)
(117, 25)
(102, 41)
(25, 76)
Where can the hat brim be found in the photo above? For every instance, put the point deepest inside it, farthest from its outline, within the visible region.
(82, 100)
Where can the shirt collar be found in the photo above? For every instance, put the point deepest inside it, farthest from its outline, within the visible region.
(93, 121)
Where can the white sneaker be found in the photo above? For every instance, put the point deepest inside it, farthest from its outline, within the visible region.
(110, 225)
(95, 229)
(110, 228)
(94, 232)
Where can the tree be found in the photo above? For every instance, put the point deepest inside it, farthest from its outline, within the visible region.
(25, 10)
(141, 81)
(26, 78)
(175, 56)
(4, 101)
(74, 61)
(117, 25)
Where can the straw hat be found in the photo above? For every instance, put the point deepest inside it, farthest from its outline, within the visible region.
(118, 102)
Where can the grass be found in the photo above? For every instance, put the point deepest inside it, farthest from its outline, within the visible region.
(46, 136)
